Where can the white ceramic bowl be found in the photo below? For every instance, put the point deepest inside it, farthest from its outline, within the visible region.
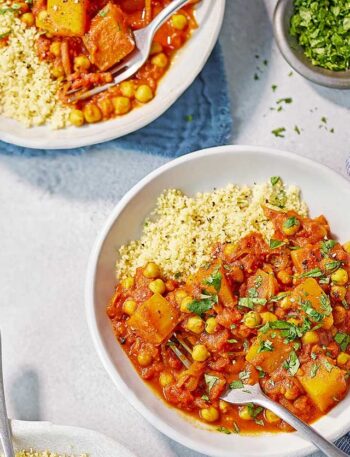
(42, 436)
(324, 191)
(187, 65)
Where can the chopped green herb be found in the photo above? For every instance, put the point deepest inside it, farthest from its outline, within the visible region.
(292, 364)
(210, 381)
(235, 428)
(297, 130)
(279, 132)
(314, 369)
(236, 384)
(224, 430)
(202, 306)
(274, 244)
(232, 341)
(274, 87)
(328, 366)
(261, 372)
(286, 100)
(314, 315)
(265, 346)
(189, 117)
(205, 397)
(275, 179)
(343, 339)
(314, 273)
(244, 375)
(333, 265)
(291, 222)
(214, 280)
(326, 246)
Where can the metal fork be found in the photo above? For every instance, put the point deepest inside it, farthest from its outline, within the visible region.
(143, 40)
(254, 394)
(5, 431)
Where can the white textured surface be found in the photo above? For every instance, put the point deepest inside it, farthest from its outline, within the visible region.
(52, 208)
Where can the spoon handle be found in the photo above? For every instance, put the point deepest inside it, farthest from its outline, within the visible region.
(307, 432)
(5, 431)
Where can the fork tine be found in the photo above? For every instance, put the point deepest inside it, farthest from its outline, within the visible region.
(183, 343)
(180, 356)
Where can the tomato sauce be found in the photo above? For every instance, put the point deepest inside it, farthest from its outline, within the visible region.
(276, 313)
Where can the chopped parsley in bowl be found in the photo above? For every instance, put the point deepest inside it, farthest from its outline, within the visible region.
(314, 38)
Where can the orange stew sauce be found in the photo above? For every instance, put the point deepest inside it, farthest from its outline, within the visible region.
(272, 313)
(85, 39)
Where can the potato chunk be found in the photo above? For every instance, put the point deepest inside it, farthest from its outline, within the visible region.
(314, 302)
(109, 39)
(324, 383)
(269, 351)
(64, 17)
(154, 320)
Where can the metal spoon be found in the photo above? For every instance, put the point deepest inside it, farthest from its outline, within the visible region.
(5, 431)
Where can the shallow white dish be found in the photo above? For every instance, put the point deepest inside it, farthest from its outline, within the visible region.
(324, 191)
(187, 65)
(42, 436)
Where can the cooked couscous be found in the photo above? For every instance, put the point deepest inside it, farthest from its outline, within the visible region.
(32, 453)
(181, 231)
(27, 91)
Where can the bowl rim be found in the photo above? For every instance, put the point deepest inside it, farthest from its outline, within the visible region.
(111, 129)
(109, 366)
(318, 75)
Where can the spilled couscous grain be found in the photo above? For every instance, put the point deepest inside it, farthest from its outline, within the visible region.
(181, 231)
(32, 453)
(28, 94)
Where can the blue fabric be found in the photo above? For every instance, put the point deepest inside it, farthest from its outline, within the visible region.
(201, 118)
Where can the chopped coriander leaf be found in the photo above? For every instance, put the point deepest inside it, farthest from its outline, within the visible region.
(189, 118)
(275, 179)
(325, 305)
(202, 306)
(290, 222)
(279, 297)
(314, 315)
(328, 366)
(333, 265)
(261, 372)
(256, 77)
(210, 381)
(205, 397)
(232, 341)
(297, 130)
(274, 244)
(279, 132)
(249, 302)
(326, 246)
(343, 339)
(265, 346)
(224, 430)
(292, 364)
(254, 411)
(274, 87)
(287, 100)
(214, 280)
(244, 375)
(314, 273)
(259, 422)
(236, 384)
(314, 369)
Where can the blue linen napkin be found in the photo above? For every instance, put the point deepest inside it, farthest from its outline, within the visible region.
(343, 444)
(201, 118)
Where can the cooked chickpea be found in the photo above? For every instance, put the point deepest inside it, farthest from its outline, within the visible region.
(310, 337)
(200, 353)
(76, 117)
(339, 314)
(252, 319)
(81, 63)
(165, 378)
(121, 105)
(57, 71)
(179, 21)
(268, 317)
(210, 414)
(160, 60)
(144, 93)
(127, 88)
(180, 295)
(211, 325)
(291, 226)
(129, 307)
(343, 358)
(144, 358)
(55, 48)
(244, 413)
(271, 417)
(340, 277)
(284, 277)
(128, 283)
(346, 247)
(229, 249)
(151, 271)
(157, 286)
(156, 48)
(291, 394)
(184, 304)
(106, 106)
(224, 406)
(338, 292)
(195, 324)
(28, 19)
(92, 113)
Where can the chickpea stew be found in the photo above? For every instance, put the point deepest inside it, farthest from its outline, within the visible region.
(270, 311)
(81, 41)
